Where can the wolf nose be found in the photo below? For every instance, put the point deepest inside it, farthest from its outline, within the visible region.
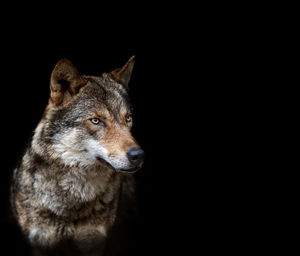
(136, 156)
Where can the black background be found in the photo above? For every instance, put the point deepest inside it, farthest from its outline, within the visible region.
(183, 90)
(159, 94)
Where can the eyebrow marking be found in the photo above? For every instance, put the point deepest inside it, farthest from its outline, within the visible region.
(115, 96)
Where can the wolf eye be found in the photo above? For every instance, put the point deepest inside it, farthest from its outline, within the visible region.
(128, 118)
(96, 121)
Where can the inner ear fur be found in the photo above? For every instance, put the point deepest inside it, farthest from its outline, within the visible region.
(65, 82)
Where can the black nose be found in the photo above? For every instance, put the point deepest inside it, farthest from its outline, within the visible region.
(136, 156)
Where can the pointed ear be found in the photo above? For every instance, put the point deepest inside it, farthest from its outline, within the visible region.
(65, 82)
(122, 75)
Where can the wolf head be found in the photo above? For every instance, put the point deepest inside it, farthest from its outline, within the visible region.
(88, 119)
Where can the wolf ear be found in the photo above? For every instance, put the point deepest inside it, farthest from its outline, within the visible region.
(122, 75)
(65, 82)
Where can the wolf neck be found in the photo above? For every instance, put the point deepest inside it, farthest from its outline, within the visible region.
(78, 184)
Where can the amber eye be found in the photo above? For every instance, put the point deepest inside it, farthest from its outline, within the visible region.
(96, 121)
(128, 118)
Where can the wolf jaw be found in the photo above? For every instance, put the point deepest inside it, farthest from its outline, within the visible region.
(88, 156)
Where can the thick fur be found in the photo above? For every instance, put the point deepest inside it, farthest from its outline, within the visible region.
(66, 190)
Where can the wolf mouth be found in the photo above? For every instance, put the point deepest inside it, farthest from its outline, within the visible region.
(101, 160)
(107, 164)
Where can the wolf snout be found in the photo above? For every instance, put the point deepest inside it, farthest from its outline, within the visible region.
(136, 156)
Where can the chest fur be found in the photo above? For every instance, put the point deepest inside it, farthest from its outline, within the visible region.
(76, 204)
(90, 222)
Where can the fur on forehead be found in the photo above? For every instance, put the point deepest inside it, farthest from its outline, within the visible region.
(107, 82)
(105, 90)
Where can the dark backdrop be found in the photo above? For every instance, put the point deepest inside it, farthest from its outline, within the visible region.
(161, 124)
(184, 93)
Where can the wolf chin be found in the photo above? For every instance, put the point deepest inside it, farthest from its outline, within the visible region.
(78, 167)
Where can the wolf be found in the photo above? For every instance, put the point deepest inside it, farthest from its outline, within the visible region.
(79, 165)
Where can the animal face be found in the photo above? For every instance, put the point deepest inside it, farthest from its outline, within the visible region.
(88, 119)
